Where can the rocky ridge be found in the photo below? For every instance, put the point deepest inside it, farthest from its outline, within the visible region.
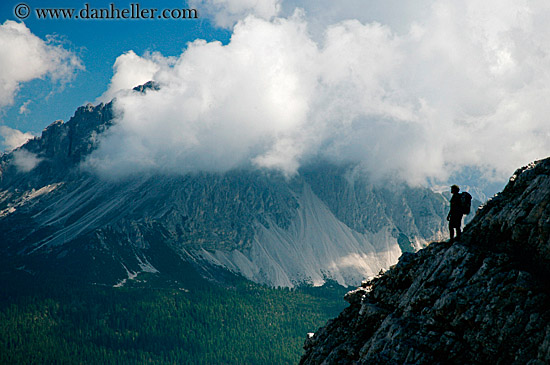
(482, 300)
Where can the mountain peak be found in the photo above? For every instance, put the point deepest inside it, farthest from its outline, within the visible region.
(149, 85)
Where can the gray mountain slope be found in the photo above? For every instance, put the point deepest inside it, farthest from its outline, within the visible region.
(328, 222)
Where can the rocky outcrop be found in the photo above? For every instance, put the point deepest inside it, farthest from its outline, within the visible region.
(60, 149)
(517, 221)
(482, 300)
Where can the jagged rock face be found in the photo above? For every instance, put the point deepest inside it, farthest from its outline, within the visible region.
(327, 222)
(61, 146)
(477, 301)
(517, 221)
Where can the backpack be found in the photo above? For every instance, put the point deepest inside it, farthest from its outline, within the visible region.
(465, 202)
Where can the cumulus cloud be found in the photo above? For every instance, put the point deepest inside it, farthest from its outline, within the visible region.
(13, 138)
(24, 108)
(396, 14)
(131, 70)
(218, 106)
(226, 13)
(465, 85)
(25, 57)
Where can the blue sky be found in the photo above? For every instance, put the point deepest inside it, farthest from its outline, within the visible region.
(97, 43)
(418, 91)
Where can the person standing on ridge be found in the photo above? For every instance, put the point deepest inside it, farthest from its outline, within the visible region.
(455, 213)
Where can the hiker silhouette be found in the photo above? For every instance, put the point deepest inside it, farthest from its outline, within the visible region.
(455, 213)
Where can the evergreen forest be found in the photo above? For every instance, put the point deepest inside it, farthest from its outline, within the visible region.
(244, 323)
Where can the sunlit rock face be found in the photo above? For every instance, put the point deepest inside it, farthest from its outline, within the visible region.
(327, 222)
(484, 299)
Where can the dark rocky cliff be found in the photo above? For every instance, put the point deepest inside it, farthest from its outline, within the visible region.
(482, 300)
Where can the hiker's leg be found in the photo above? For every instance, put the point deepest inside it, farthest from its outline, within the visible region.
(458, 232)
(452, 232)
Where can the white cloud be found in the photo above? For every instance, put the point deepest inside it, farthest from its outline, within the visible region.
(14, 138)
(25, 57)
(24, 108)
(396, 14)
(25, 161)
(131, 70)
(466, 85)
(218, 106)
(226, 13)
